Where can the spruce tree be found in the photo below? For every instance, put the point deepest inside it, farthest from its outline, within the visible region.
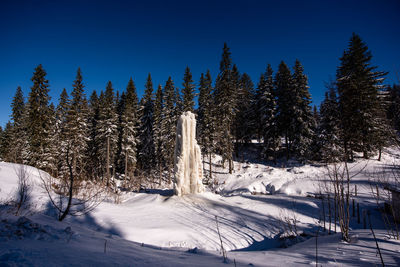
(358, 83)
(188, 91)
(38, 126)
(130, 121)
(286, 102)
(93, 166)
(329, 129)
(225, 106)
(18, 138)
(146, 148)
(303, 117)
(157, 131)
(61, 132)
(107, 131)
(76, 125)
(265, 111)
(168, 125)
(206, 123)
(244, 123)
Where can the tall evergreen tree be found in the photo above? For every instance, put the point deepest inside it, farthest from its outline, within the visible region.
(146, 149)
(358, 83)
(303, 117)
(225, 104)
(38, 125)
(157, 131)
(286, 103)
(265, 111)
(107, 130)
(244, 124)
(206, 123)
(188, 91)
(130, 121)
(76, 125)
(18, 138)
(329, 129)
(61, 132)
(168, 124)
(93, 166)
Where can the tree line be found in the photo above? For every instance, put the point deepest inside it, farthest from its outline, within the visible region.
(117, 135)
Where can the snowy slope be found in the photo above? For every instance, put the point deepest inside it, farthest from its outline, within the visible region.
(248, 223)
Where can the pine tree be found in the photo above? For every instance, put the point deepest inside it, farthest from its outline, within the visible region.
(265, 111)
(225, 105)
(5, 145)
(38, 126)
(61, 132)
(168, 125)
(107, 131)
(76, 125)
(157, 131)
(130, 121)
(18, 137)
(206, 123)
(393, 109)
(329, 130)
(146, 149)
(358, 84)
(93, 166)
(303, 117)
(244, 125)
(286, 102)
(50, 152)
(188, 91)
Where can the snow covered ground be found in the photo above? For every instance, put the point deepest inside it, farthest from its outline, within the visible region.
(158, 229)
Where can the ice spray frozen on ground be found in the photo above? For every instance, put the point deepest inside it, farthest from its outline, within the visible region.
(188, 168)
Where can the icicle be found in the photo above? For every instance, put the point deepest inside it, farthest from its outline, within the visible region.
(188, 167)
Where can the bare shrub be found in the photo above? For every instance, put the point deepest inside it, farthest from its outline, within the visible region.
(24, 189)
(72, 196)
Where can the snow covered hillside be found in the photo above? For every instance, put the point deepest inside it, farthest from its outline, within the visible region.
(157, 228)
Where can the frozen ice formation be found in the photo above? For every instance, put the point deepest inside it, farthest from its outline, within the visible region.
(188, 166)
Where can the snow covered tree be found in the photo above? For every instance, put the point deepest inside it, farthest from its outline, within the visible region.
(157, 131)
(61, 131)
(206, 123)
(168, 125)
(265, 111)
(358, 84)
(286, 101)
(76, 125)
(5, 145)
(303, 117)
(107, 130)
(329, 129)
(224, 96)
(18, 138)
(130, 121)
(93, 166)
(244, 122)
(38, 126)
(188, 91)
(146, 148)
(393, 109)
(51, 151)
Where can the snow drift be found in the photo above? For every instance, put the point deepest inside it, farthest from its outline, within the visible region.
(188, 167)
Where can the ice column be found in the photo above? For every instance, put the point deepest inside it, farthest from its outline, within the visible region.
(188, 166)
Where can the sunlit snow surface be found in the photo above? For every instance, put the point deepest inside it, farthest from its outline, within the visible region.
(157, 228)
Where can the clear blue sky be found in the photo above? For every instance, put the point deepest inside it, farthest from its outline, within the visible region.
(114, 40)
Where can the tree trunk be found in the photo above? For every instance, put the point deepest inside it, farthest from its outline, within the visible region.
(108, 161)
(126, 167)
(210, 165)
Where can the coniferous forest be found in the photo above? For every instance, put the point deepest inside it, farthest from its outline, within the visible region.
(114, 135)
